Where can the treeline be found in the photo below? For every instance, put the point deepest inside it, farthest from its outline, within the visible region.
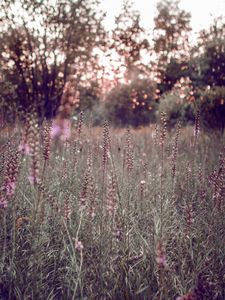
(45, 45)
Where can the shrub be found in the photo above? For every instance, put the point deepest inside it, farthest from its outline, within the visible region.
(178, 104)
(132, 104)
(211, 104)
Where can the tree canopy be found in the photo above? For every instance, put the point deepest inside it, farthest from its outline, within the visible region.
(43, 43)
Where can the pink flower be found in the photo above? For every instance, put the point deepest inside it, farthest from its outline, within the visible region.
(33, 179)
(189, 296)
(56, 130)
(24, 148)
(10, 188)
(3, 202)
(161, 260)
(161, 255)
(78, 245)
(61, 129)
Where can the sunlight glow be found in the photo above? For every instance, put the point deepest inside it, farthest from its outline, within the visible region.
(203, 12)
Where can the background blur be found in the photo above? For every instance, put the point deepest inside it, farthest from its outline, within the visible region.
(128, 61)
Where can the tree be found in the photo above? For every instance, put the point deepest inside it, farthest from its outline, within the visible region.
(171, 45)
(174, 71)
(130, 41)
(43, 44)
(208, 63)
(208, 75)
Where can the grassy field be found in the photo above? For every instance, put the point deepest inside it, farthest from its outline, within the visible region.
(112, 214)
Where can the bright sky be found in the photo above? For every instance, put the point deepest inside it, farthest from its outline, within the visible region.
(203, 11)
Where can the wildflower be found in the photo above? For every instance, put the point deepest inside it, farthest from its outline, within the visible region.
(61, 129)
(129, 152)
(67, 209)
(3, 201)
(163, 121)
(24, 148)
(10, 178)
(161, 255)
(155, 135)
(46, 140)
(189, 296)
(175, 150)
(92, 197)
(78, 245)
(106, 145)
(189, 215)
(85, 188)
(34, 176)
(111, 196)
(80, 123)
(10, 188)
(67, 212)
(145, 169)
(197, 127)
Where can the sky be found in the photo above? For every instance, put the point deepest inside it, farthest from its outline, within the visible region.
(203, 11)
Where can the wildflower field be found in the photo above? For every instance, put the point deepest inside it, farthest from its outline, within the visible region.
(112, 150)
(111, 213)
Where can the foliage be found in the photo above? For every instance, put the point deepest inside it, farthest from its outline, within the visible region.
(174, 71)
(178, 104)
(129, 40)
(208, 62)
(89, 96)
(171, 45)
(134, 104)
(207, 74)
(171, 27)
(176, 109)
(8, 100)
(211, 104)
(43, 43)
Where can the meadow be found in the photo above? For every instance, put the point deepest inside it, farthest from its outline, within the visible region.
(112, 213)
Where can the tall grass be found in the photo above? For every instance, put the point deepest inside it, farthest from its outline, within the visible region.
(111, 214)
